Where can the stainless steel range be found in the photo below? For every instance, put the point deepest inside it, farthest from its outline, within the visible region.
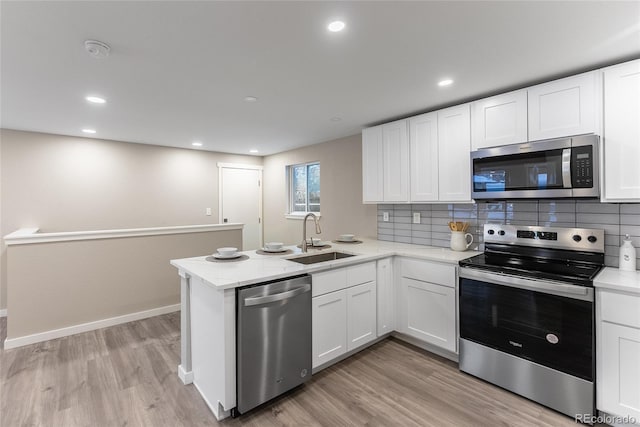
(527, 313)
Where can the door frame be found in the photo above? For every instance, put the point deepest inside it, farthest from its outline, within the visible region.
(259, 168)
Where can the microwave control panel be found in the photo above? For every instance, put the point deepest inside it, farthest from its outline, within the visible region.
(582, 166)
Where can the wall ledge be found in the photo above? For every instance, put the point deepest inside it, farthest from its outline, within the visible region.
(25, 236)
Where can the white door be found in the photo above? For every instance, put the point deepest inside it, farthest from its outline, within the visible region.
(329, 326)
(395, 146)
(361, 315)
(372, 165)
(621, 139)
(499, 120)
(454, 146)
(423, 141)
(563, 107)
(241, 202)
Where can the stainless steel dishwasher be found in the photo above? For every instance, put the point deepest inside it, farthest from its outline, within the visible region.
(273, 335)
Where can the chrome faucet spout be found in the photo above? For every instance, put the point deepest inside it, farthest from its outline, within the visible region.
(304, 229)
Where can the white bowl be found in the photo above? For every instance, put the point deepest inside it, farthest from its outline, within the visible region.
(273, 245)
(227, 251)
(347, 237)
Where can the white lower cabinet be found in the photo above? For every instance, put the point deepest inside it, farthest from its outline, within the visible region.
(343, 311)
(361, 315)
(427, 302)
(618, 354)
(386, 296)
(329, 320)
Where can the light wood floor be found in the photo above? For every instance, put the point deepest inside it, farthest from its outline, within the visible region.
(126, 376)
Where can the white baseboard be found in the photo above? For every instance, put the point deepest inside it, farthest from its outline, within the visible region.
(3, 312)
(186, 377)
(86, 327)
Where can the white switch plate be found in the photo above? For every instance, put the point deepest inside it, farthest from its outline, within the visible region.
(208, 212)
(416, 217)
(385, 216)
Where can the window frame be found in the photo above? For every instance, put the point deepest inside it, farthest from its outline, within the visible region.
(290, 214)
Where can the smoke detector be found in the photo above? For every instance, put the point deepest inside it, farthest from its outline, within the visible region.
(97, 49)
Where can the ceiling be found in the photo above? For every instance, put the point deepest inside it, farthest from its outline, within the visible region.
(179, 71)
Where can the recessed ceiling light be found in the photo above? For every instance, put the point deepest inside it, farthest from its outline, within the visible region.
(92, 131)
(197, 144)
(445, 82)
(336, 26)
(253, 151)
(336, 119)
(96, 99)
(250, 98)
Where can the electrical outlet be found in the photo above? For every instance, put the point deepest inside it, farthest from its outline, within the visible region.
(416, 217)
(385, 216)
(207, 212)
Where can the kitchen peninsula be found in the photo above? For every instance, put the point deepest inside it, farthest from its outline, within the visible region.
(208, 305)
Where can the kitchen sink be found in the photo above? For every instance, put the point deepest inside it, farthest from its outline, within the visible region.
(325, 256)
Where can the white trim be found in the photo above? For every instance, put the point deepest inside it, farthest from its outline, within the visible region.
(240, 166)
(31, 235)
(300, 216)
(186, 377)
(3, 312)
(86, 327)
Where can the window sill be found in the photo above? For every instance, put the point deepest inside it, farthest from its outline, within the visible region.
(300, 216)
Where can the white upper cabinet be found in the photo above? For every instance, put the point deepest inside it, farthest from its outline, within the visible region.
(454, 145)
(372, 165)
(395, 158)
(621, 137)
(499, 120)
(563, 107)
(423, 138)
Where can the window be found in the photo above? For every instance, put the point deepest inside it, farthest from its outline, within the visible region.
(304, 188)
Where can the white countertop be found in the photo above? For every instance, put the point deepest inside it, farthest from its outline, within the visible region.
(260, 268)
(618, 280)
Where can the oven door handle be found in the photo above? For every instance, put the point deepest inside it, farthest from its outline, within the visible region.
(548, 287)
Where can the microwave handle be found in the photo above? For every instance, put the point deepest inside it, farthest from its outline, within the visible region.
(566, 167)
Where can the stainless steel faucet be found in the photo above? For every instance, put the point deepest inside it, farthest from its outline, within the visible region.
(304, 229)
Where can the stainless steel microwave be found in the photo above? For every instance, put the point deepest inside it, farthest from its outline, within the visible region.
(554, 168)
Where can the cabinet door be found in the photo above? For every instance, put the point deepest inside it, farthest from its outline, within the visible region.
(395, 147)
(423, 143)
(618, 388)
(372, 175)
(563, 107)
(621, 141)
(386, 297)
(429, 312)
(499, 120)
(454, 146)
(329, 316)
(361, 315)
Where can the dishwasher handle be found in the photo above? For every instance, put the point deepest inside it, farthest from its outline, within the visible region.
(277, 297)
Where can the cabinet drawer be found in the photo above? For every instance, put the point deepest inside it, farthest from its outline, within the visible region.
(620, 308)
(328, 281)
(359, 274)
(426, 271)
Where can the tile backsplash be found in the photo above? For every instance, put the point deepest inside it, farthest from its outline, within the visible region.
(616, 220)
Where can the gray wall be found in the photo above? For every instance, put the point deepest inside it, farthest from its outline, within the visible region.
(616, 220)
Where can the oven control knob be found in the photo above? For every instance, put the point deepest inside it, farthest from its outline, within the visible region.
(501, 232)
(592, 239)
(491, 232)
(576, 238)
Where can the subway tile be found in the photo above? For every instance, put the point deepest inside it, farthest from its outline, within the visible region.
(441, 221)
(421, 234)
(628, 219)
(421, 227)
(598, 218)
(632, 230)
(441, 236)
(440, 243)
(383, 224)
(399, 226)
(421, 241)
(611, 261)
(630, 208)
(405, 233)
(402, 212)
(402, 239)
(440, 229)
(551, 219)
(402, 220)
(406, 207)
(608, 228)
(522, 217)
(612, 240)
(385, 237)
(595, 207)
(521, 206)
(385, 207)
(521, 222)
(423, 207)
(557, 206)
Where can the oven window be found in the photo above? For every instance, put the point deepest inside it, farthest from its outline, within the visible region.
(553, 331)
(540, 170)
